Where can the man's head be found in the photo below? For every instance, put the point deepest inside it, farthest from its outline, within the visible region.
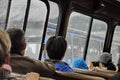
(56, 47)
(5, 45)
(17, 40)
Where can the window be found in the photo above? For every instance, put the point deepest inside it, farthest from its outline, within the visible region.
(3, 12)
(76, 36)
(38, 21)
(17, 13)
(115, 48)
(35, 27)
(53, 18)
(97, 38)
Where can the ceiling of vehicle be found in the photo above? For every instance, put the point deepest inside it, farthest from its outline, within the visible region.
(109, 8)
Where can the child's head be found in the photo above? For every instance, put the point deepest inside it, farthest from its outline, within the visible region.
(56, 47)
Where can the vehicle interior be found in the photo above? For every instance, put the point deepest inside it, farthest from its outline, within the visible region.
(90, 28)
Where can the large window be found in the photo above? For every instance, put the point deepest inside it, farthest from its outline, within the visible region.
(115, 48)
(35, 27)
(3, 12)
(97, 38)
(36, 21)
(17, 13)
(76, 36)
(53, 18)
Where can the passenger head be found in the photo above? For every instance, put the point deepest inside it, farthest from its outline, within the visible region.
(56, 47)
(94, 65)
(5, 45)
(17, 40)
(105, 58)
(79, 63)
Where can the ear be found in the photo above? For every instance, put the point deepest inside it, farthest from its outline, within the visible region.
(7, 60)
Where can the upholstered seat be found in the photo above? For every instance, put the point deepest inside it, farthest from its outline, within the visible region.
(23, 77)
(93, 73)
(74, 76)
(107, 71)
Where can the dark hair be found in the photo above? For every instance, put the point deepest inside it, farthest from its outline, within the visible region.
(17, 40)
(95, 63)
(56, 47)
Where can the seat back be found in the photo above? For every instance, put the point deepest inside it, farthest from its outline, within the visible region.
(23, 77)
(93, 73)
(74, 76)
(107, 71)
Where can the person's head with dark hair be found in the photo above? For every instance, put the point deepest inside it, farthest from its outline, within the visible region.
(17, 40)
(5, 45)
(56, 47)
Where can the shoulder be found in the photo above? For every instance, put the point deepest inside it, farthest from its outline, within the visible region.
(21, 58)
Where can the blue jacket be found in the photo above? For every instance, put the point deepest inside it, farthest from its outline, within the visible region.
(60, 65)
(63, 66)
(79, 63)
